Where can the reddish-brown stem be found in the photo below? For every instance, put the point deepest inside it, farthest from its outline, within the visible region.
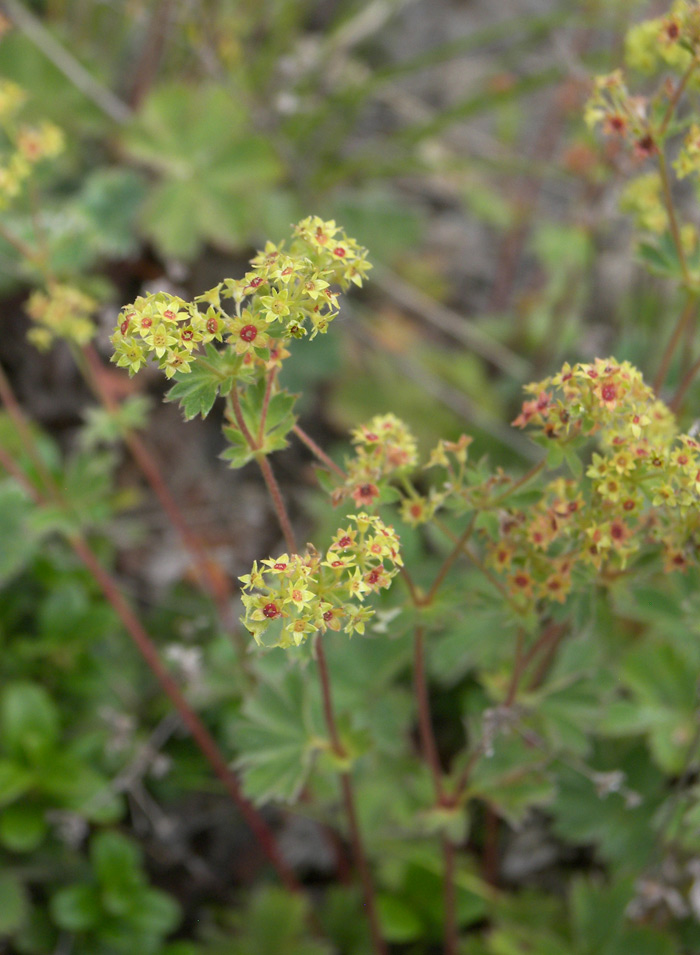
(240, 420)
(518, 667)
(451, 936)
(378, 943)
(528, 476)
(449, 561)
(12, 406)
(278, 504)
(24, 249)
(678, 92)
(672, 218)
(200, 734)
(358, 849)
(318, 452)
(688, 378)
(412, 589)
(272, 374)
(359, 855)
(327, 699)
(425, 726)
(490, 849)
(667, 357)
(208, 572)
(268, 475)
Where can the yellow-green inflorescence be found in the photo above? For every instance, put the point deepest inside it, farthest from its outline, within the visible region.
(287, 293)
(290, 597)
(643, 488)
(23, 144)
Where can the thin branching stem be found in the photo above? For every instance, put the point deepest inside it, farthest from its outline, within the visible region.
(318, 452)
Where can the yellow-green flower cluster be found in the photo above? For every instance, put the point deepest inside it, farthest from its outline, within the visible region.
(591, 396)
(688, 160)
(669, 42)
(643, 490)
(612, 106)
(641, 198)
(290, 597)
(164, 327)
(61, 312)
(286, 294)
(383, 447)
(23, 144)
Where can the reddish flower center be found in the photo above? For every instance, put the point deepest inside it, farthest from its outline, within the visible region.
(280, 566)
(187, 335)
(271, 611)
(344, 542)
(212, 326)
(609, 392)
(328, 615)
(146, 322)
(339, 251)
(258, 280)
(249, 333)
(124, 326)
(168, 314)
(628, 505)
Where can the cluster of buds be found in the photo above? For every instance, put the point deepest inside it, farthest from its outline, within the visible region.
(24, 144)
(60, 312)
(643, 489)
(287, 294)
(384, 448)
(288, 598)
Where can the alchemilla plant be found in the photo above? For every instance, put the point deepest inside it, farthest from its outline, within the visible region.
(463, 654)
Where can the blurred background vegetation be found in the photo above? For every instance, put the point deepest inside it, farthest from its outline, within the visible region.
(447, 137)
